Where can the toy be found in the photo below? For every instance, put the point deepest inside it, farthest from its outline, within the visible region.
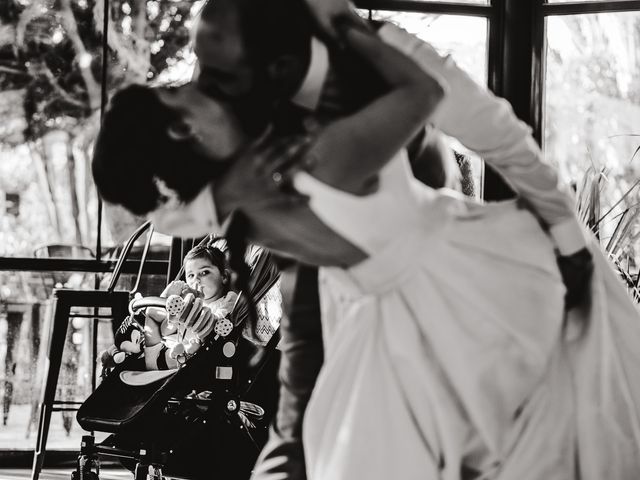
(128, 339)
(174, 306)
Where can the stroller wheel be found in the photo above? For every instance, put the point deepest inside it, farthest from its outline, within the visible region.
(88, 465)
(148, 472)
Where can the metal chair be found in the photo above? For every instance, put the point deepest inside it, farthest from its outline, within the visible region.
(106, 304)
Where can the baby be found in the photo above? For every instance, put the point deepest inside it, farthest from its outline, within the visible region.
(207, 300)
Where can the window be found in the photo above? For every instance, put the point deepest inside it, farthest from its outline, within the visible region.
(592, 86)
(51, 92)
(591, 113)
(463, 36)
(50, 99)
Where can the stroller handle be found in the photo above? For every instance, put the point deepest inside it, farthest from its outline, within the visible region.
(144, 302)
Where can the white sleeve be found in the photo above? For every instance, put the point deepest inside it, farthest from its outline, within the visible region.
(487, 125)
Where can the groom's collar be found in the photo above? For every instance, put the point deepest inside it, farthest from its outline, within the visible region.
(308, 95)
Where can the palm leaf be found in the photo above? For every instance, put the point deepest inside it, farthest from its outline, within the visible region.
(602, 216)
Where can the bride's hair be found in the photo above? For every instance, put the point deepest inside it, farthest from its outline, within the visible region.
(133, 152)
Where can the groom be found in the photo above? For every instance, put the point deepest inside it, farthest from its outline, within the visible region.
(260, 53)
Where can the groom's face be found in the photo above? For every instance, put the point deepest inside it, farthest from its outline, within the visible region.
(225, 70)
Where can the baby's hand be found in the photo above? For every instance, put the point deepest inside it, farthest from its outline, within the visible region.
(177, 287)
(192, 346)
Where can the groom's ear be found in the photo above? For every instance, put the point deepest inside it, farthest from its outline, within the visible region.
(286, 70)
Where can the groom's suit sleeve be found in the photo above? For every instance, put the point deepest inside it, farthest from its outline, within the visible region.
(487, 125)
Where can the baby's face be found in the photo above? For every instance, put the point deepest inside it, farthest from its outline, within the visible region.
(200, 273)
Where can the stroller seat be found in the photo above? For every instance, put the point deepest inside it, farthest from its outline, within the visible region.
(135, 378)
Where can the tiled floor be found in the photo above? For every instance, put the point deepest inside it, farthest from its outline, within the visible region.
(65, 474)
(61, 474)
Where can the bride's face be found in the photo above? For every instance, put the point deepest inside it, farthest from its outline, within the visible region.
(206, 120)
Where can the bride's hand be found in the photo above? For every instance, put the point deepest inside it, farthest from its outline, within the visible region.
(328, 12)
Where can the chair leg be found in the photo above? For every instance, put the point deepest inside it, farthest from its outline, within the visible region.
(51, 372)
(41, 445)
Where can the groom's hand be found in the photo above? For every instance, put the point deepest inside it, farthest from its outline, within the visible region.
(576, 270)
(260, 176)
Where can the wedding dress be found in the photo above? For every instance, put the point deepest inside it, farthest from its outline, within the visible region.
(447, 351)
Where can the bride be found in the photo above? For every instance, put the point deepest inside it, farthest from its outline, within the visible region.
(447, 350)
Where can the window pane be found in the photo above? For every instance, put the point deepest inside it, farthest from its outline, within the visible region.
(592, 106)
(50, 94)
(464, 38)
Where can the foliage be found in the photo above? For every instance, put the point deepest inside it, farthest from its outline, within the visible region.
(51, 91)
(616, 224)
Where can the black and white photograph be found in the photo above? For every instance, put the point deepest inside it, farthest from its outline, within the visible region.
(320, 239)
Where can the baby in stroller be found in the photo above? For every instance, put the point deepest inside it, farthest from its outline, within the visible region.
(208, 301)
(213, 407)
(200, 305)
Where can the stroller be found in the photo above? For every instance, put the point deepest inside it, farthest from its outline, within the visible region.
(207, 419)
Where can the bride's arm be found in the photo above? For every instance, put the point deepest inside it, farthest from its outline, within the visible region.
(350, 151)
